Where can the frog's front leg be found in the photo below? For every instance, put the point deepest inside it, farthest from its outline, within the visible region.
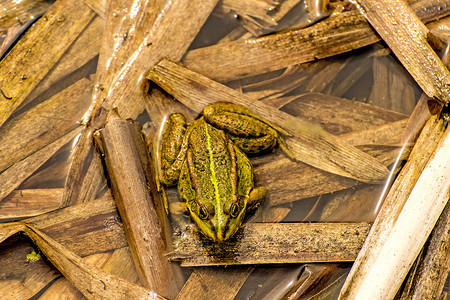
(256, 198)
(249, 131)
(173, 148)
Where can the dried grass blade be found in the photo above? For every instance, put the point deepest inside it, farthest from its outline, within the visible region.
(16, 18)
(42, 124)
(86, 176)
(259, 9)
(80, 57)
(335, 35)
(121, 18)
(99, 6)
(268, 243)
(181, 19)
(207, 283)
(12, 177)
(28, 203)
(309, 143)
(232, 60)
(93, 283)
(7, 230)
(311, 181)
(84, 186)
(85, 229)
(36, 53)
(407, 36)
(430, 10)
(175, 28)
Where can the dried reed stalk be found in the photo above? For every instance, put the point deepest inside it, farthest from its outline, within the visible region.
(256, 8)
(121, 264)
(428, 276)
(250, 25)
(394, 224)
(352, 116)
(36, 53)
(144, 219)
(430, 10)
(275, 243)
(62, 286)
(86, 229)
(309, 143)
(311, 181)
(30, 138)
(408, 38)
(99, 6)
(390, 90)
(310, 283)
(382, 142)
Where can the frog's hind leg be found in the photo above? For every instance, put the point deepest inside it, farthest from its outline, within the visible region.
(249, 131)
(173, 148)
(256, 144)
(233, 118)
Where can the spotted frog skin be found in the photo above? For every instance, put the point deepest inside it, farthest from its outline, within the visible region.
(206, 158)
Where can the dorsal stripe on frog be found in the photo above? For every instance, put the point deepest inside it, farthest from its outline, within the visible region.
(219, 212)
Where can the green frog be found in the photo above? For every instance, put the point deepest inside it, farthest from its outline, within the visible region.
(206, 158)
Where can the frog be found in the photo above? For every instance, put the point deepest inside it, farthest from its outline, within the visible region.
(207, 160)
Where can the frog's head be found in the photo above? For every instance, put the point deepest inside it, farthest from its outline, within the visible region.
(221, 223)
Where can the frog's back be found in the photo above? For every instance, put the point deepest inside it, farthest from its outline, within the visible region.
(212, 163)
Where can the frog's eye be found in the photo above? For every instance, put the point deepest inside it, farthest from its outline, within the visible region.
(203, 213)
(231, 209)
(206, 211)
(234, 210)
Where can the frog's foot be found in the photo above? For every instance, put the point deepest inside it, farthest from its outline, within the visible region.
(256, 198)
